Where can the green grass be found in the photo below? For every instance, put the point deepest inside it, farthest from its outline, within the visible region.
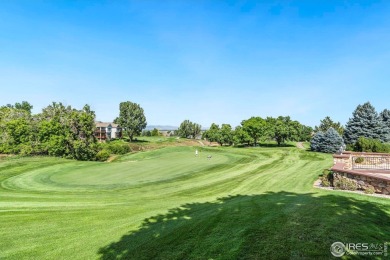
(243, 203)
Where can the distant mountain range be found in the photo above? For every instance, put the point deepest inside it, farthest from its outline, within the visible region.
(162, 127)
(166, 127)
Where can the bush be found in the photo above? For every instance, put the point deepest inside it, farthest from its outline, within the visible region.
(345, 184)
(369, 190)
(326, 178)
(25, 149)
(117, 148)
(103, 155)
(364, 144)
(83, 151)
(349, 147)
(359, 160)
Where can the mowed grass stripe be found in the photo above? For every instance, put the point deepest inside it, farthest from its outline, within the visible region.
(235, 205)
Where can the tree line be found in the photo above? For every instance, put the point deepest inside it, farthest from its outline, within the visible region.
(250, 132)
(63, 131)
(57, 131)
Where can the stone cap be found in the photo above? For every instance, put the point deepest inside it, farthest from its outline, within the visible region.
(341, 156)
(339, 167)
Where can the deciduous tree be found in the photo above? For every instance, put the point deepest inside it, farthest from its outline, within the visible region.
(256, 127)
(131, 118)
(188, 129)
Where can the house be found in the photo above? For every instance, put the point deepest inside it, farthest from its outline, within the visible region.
(107, 131)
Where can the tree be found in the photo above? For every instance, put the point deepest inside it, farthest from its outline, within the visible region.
(226, 134)
(317, 141)
(241, 136)
(146, 133)
(306, 133)
(223, 135)
(21, 106)
(67, 132)
(185, 130)
(15, 129)
(57, 131)
(188, 129)
(385, 117)
(365, 122)
(16, 132)
(131, 119)
(155, 132)
(196, 129)
(213, 133)
(256, 127)
(280, 129)
(327, 123)
(328, 142)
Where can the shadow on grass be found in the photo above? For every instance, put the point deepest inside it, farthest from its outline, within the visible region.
(139, 141)
(275, 145)
(279, 225)
(271, 145)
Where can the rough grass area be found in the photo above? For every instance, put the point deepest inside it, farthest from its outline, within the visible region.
(243, 203)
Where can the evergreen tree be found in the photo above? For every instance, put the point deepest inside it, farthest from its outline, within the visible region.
(385, 117)
(333, 141)
(317, 141)
(327, 123)
(365, 122)
(328, 142)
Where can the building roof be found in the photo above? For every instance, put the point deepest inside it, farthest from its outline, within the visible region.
(105, 124)
(102, 124)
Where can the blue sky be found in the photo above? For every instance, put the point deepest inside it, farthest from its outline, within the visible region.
(207, 61)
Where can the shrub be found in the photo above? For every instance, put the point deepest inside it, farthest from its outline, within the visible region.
(359, 160)
(369, 189)
(349, 147)
(345, 184)
(25, 149)
(118, 148)
(364, 144)
(83, 151)
(326, 178)
(103, 155)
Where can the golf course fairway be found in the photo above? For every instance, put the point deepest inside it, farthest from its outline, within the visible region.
(225, 203)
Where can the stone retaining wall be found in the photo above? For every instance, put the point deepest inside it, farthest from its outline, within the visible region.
(344, 159)
(363, 182)
(377, 180)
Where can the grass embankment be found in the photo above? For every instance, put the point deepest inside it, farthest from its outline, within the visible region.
(168, 204)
